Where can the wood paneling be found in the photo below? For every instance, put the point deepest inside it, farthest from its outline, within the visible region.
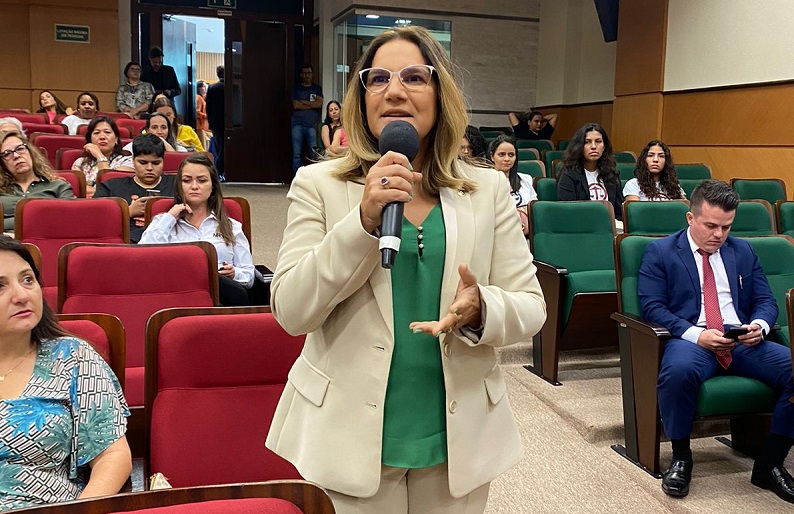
(639, 58)
(14, 44)
(746, 116)
(206, 62)
(636, 119)
(728, 162)
(571, 117)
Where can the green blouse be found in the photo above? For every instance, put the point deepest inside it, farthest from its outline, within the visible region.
(414, 424)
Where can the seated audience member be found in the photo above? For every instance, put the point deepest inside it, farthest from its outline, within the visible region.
(11, 125)
(87, 107)
(331, 123)
(339, 144)
(503, 154)
(473, 145)
(184, 134)
(61, 407)
(655, 178)
(147, 151)
(532, 125)
(697, 314)
(102, 151)
(52, 106)
(588, 171)
(198, 214)
(134, 96)
(159, 125)
(26, 174)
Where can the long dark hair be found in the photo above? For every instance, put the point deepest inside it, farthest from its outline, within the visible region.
(573, 159)
(668, 180)
(60, 107)
(479, 146)
(165, 102)
(170, 139)
(512, 176)
(328, 120)
(117, 148)
(215, 201)
(47, 328)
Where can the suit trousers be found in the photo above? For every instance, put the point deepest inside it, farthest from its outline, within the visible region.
(685, 366)
(418, 491)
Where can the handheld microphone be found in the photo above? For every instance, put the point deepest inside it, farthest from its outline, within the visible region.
(401, 137)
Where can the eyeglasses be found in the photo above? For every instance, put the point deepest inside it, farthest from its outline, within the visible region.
(18, 150)
(414, 78)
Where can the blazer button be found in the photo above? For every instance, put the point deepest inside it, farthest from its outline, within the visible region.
(453, 406)
(447, 350)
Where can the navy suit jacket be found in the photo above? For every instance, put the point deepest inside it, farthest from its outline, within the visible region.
(669, 287)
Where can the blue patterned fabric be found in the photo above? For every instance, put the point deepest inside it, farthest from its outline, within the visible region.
(71, 410)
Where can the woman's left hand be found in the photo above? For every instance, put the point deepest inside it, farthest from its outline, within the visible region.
(227, 270)
(464, 311)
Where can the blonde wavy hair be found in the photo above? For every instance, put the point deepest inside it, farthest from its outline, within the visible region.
(41, 167)
(441, 167)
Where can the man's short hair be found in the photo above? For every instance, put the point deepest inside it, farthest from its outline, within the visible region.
(532, 114)
(148, 144)
(156, 51)
(306, 65)
(716, 193)
(219, 71)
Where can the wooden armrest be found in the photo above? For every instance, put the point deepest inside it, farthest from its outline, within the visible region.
(550, 268)
(640, 325)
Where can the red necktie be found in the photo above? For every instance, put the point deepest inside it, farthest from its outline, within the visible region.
(711, 304)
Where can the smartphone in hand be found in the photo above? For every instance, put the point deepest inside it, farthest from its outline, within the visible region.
(735, 332)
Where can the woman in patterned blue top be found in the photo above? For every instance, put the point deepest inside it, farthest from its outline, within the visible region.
(61, 407)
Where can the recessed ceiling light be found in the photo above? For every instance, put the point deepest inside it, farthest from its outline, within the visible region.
(373, 16)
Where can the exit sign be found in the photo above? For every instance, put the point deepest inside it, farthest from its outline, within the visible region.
(222, 4)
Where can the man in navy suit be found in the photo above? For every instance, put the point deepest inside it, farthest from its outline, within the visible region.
(692, 282)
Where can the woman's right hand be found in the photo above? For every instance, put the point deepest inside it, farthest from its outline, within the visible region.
(180, 210)
(93, 149)
(389, 180)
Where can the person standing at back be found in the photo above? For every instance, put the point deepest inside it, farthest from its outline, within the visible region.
(307, 99)
(216, 118)
(161, 76)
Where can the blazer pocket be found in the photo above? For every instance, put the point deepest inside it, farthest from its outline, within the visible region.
(309, 381)
(495, 384)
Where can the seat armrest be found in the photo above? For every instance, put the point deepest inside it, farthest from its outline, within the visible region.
(641, 325)
(550, 268)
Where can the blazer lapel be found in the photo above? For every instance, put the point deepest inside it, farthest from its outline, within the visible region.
(380, 280)
(458, 222)
(729, 261)
(686, 256)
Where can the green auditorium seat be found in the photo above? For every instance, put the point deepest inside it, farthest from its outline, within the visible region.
(549, 156)
(562, 144)
(527, 154)
(689, 184)
(769, 189)
(538, 144)
(532, 168)
(625, 170)
(784, 216)
(746, 402)
(626, 157)
(572, 246)
(491, 134)
(776, 254)
(546, 188)
(654, 218)
(699, 170)
(753, 218)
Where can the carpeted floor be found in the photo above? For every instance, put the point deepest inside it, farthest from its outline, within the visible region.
(567, 431)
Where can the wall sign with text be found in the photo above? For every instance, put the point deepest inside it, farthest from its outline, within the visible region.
(72, 33)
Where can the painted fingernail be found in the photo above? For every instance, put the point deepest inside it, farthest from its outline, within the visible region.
(410, 197)
(417, 331)
(410, 167)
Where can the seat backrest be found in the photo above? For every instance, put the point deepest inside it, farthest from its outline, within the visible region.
(753, 218)
(784, 211)
(769, 189)
(527, 154)
(539, 144)
(29, 118)
(776, 254)
(172, 160)
(552, 155)
(198, 391)
(546, 188)
(654, 218)
(562, 144)
(104, 332)
(693, 171)
(45, 128)
(50, 223)
(629, 250)
(76, 179)
(135, 126)
(573, 235)
(625, 170)
(237, 208)
(689, 184)
(532, 168)
(52, 142)
(105, 175)
(65, 157)
(626, 156)
(114, 115)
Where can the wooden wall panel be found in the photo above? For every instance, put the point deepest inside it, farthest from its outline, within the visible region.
(747, 116)
(729, 162)
(14, 44)
(571, 117)
(639, 57)
(636, 119)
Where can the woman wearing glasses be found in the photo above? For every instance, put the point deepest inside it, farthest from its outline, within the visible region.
(26, 174)
(399, 368)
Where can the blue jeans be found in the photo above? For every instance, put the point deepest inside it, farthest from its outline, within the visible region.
(301, 133)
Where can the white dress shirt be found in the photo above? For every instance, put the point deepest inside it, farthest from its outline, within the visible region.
(164, 228)
(728, 311)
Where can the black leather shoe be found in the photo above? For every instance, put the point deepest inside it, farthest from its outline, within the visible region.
(675, 480)
(776, 480)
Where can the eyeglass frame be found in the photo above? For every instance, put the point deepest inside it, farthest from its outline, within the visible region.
(392, 74)
(9, 154)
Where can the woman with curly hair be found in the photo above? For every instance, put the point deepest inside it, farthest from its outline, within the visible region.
(654, 176)
(589, 171)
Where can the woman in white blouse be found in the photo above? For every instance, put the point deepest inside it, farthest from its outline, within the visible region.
(198, 214)
(655, 177)
(504, 155)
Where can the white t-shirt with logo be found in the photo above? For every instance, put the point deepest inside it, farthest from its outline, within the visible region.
(632, 187)
(596, 186)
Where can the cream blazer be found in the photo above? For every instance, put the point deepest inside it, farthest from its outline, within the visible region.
(329, 284)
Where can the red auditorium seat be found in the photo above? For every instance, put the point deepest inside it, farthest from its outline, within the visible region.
(50, 143)
(13, 112)
(65, 157)
(135, 126)
(56, 128)
(76, 179)
(104, 332)
(28, 118)
(114, 115)
(212, 396)
(50, 223)
(124, 130)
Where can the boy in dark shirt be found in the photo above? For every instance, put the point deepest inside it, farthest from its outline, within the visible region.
(533, 125)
